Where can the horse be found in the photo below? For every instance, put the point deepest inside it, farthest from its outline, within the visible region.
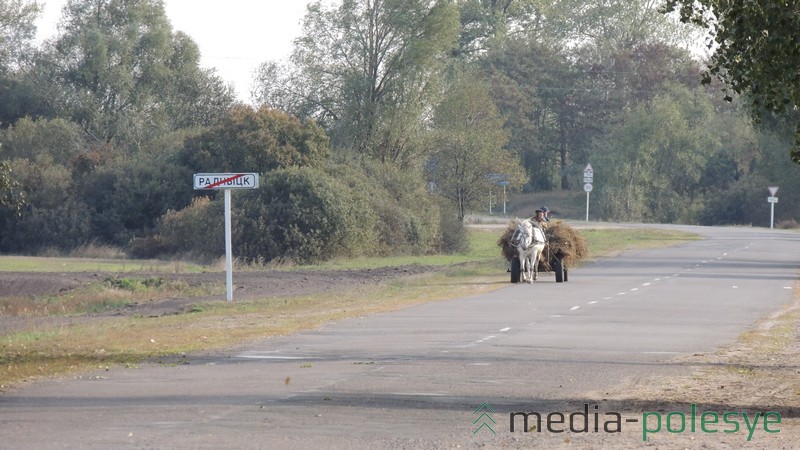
(529, 240)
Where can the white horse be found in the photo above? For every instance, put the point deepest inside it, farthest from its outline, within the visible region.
(529, 240)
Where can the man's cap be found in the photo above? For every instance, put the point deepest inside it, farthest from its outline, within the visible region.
(543, 209)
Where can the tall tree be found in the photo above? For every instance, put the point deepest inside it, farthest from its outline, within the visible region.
(470, 140)
(610, 25)
(119, 71)
(367, 71)
(653, 162)
(490, 23)
(256, 140)
(16, 34)
(16, 29)
(756, 50)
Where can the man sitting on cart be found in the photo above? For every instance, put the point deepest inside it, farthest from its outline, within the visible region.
(540, 219)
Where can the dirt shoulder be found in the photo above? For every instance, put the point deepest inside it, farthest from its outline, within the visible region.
(247, 284)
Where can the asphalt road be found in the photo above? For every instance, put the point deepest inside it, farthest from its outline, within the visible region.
(414, 378)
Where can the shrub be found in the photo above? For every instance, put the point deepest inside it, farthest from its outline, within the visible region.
(453, 235)
(305, 215)
(197, 231)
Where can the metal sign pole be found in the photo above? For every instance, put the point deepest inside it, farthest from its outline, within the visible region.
(771, 214)
(587, 206)
(772, 200)
(588, 177)
(226, 182)
(228, 247)
(504, 199)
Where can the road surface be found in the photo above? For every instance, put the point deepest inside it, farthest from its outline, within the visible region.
(417, 378)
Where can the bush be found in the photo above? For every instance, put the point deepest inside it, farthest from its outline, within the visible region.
(307, 215)
(409, 217)
(742, 204)
(453, 235)
(195, 231)
(304, 215)
(64, 227)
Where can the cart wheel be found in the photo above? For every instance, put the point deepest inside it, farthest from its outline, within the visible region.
(558, 268)
(515, 270)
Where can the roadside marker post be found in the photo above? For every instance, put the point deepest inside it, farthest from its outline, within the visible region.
(588, 178)
(772, 199)
(226, 182)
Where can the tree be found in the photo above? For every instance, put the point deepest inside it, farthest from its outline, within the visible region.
(756, 50)
(118, 70)
(469, 142)
(16, 30)
(653, 162)
(305, 215)
(612, 25)
(535, 88)
(488, 24)
(367, 71)
(256, 141)
(16, 33)
(11, 197)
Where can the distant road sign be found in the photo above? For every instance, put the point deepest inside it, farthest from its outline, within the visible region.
(587, 179)
(206, 181)
(587, 187)
(773, 190)
(588, 170)
(772, 199)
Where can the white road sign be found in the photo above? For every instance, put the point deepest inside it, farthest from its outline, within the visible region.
(206, 181)
(773, 190)
(587, 187)
(588, 170)
(772, 199)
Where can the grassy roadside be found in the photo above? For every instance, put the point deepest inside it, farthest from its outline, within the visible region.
(88, 344)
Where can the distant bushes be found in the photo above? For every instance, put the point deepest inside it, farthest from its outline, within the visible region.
(308, 215)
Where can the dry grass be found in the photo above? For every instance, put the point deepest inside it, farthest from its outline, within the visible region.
(102, 295)
(32, 354)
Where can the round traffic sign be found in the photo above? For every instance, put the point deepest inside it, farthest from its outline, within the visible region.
(587, 187)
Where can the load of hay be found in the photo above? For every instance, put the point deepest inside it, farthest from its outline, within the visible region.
(563, 242)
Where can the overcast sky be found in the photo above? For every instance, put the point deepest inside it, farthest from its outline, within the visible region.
(234, 36)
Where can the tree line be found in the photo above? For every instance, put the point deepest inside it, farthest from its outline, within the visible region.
(388, 124)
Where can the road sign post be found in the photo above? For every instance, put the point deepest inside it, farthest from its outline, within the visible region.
(772, 199)
(504, 183)
(226, 182)
(588, 178)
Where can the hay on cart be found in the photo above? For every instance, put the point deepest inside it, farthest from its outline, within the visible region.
(563, 242)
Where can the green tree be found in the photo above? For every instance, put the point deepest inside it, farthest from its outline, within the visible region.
(56, 141)
(11, 197)
(16, 34)
(17, 29)
(118, 70)
(469, 145)
(127, 195)
(604, 27)
(367, 71)
(756, 50)
(256, 141)
(303, 214)
(652, 164)
(488, 24)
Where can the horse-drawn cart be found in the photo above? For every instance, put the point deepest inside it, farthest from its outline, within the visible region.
(564, 247)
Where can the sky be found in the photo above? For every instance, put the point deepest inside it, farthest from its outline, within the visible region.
(234, 36)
